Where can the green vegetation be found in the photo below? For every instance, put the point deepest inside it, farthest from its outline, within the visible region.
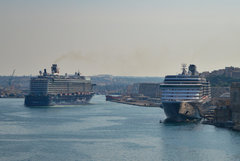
(221, 81)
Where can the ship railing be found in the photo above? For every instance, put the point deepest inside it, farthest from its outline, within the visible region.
(180, 100)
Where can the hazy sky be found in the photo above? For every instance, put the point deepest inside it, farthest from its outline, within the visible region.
(119, 37)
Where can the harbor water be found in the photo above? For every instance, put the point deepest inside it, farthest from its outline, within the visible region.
(103, 131)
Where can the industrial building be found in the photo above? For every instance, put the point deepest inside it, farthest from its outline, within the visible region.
(150, 89)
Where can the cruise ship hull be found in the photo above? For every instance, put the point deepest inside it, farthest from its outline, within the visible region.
(182, 111)
(51, 100)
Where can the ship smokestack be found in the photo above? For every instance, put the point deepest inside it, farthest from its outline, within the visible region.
(193, 69)
(54, 69)
(45, 72)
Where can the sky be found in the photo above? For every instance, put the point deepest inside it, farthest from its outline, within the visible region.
(125, 38)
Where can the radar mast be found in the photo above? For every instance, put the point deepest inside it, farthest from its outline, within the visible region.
(184, 71)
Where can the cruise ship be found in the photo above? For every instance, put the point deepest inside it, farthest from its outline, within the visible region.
(183, 95)
(50, 89)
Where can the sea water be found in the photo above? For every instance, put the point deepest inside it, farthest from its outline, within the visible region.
(107, 131)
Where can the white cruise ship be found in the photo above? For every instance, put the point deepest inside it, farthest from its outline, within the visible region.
(184, 94)
(54, 89)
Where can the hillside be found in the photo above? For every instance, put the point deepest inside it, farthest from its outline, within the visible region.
(104, 83)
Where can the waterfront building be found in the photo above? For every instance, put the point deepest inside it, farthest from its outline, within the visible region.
(150, 89)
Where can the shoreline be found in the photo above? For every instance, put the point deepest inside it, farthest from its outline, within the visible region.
(142, 104)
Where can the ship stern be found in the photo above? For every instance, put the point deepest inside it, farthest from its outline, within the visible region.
(32, 100)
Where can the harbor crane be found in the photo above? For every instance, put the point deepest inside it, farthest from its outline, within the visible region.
(10, 81)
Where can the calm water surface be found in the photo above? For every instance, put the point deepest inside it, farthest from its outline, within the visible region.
(105, 131)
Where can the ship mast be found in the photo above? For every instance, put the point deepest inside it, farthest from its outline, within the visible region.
(184, 71)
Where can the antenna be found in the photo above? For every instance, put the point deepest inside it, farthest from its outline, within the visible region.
(184, 71)
(79, 73)
(184, 65)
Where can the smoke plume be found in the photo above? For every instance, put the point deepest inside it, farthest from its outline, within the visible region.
(76, 56)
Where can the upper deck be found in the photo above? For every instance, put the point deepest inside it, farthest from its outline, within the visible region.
(54, 83)
(185, 87)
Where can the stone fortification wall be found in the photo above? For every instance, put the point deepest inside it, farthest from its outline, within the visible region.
(235, 104)
(218, 91)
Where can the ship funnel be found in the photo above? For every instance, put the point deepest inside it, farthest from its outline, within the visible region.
(54, 69)
(45, 72)
(40, 73)
(193, 69)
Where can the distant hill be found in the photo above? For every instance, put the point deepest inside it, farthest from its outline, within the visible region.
(221, 80)
(19, 82)
(109, 79)
(223, 77)
(104, 83)
(119, 84)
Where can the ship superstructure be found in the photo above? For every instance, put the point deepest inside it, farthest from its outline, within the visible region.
(184, 94)
(53, 89)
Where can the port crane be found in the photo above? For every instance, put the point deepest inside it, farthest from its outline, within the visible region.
(10, 81)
